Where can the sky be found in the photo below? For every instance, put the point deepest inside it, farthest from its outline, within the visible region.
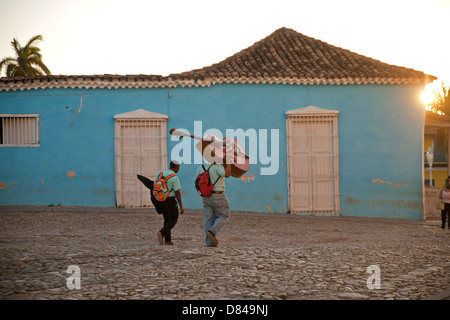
(84, 37)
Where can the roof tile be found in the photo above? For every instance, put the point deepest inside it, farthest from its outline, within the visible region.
(287, 56)
(284, 57)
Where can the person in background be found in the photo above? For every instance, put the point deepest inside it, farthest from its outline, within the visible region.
(445, 196)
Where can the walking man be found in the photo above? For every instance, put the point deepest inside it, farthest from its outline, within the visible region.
(216, 207)
(169, 206)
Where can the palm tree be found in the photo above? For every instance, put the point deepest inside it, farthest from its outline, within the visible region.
(28, 61)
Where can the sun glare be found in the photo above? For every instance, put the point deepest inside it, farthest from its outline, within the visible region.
(427, 96)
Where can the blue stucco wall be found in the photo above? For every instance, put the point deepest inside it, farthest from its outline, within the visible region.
(86, 147)
(380, 143)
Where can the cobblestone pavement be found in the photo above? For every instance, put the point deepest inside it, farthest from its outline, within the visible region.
(260, 256)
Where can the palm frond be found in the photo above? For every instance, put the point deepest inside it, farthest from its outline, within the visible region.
(5, 62)
(35, 38)
(43, 67)
(32, 50)
(16, 46)
(28, 61)
(12, 71)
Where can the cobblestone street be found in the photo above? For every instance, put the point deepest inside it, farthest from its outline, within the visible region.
(260, 256)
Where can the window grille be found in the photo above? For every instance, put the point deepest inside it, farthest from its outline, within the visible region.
(19, 130)
(313, 160)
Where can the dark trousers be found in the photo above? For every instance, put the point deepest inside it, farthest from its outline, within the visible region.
(170, 214)
(444, 214)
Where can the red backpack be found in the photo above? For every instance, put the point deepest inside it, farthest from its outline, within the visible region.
(203, 183)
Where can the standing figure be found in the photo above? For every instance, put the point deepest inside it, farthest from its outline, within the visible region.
(166, 188)
(216, 206)
(445, 196)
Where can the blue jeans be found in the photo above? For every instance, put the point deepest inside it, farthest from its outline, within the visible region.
(216, 209)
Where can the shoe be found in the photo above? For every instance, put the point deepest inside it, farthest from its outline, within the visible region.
(160, 238)
(170, 243)
(213, 239)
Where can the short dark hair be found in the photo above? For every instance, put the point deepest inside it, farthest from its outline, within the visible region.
(174, 164)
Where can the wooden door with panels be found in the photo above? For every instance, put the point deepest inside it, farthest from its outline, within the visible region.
(313, 161)
(140, 147)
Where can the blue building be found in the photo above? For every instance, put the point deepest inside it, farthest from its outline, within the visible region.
(329, 132)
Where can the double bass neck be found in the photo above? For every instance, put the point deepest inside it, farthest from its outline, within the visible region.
(216, 142)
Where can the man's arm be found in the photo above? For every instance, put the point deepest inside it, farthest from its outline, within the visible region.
(178, 196)
(227, 170)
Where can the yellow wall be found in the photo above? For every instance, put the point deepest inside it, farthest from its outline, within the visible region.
(438, 176)
(427, 142)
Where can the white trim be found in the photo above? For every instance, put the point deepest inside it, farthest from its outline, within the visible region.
(140, 114)
(310, 110)
(19, 145)
(19, 115)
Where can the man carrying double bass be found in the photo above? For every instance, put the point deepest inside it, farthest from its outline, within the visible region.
(216, 207)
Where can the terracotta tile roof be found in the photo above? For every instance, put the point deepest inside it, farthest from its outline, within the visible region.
(284, 57)
(289, 57)
(107, 81)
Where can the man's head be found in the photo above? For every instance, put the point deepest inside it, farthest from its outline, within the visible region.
(174, 166)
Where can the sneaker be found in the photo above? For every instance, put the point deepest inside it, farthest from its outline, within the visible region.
(213, 239)
(160, 238)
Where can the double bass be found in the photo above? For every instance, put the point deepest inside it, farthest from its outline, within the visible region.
(226, 151)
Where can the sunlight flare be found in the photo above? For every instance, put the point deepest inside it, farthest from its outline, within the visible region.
(427, 96)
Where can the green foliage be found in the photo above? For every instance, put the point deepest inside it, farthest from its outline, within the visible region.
(441, 100)
(28, 60)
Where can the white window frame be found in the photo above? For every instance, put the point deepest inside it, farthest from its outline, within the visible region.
(18, 134)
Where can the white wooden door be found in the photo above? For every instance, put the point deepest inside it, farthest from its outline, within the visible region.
(300, 173)
(313, 161)
(130, 165)
(153, 154)
(140, 148)
(322, 163)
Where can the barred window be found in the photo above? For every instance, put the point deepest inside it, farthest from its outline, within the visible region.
(19, 130)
